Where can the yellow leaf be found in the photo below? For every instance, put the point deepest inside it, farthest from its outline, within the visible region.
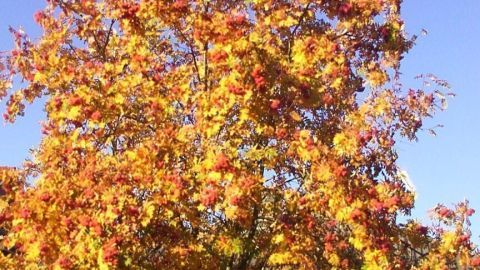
(295, 116)
(33, 252)
(288, 22)
(281, 258)
(101, 263)
(279, 238)
(39, 78)
(119, 99)
(345, 144)
(244, 115)
(149, 211)
(74, 112)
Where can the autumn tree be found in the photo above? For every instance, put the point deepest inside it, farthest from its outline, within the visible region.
(219, 134)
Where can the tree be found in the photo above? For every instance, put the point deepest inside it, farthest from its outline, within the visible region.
(220, 135)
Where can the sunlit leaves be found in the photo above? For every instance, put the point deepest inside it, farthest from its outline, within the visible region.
(217, 134)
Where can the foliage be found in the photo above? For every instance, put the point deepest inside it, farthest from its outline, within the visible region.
(217, 134)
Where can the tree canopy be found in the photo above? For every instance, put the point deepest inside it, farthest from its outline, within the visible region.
(219, 134)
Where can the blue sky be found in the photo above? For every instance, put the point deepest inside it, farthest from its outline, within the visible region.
(16, 140)
(443, 168)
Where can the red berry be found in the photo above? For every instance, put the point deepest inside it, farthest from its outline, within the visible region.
(444, 212)
(475, 261)
(38, 16)
(25, 213)
(345, 9)
(275, 104)
(209, 197)
(96, 116)
(180, 5)
(75, 101)
(356, 214)
(327, 99)
(45, 197)
(222, 163)
(281, 133)
(470, 212)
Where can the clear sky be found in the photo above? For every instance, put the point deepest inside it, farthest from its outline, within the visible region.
(443, 168)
